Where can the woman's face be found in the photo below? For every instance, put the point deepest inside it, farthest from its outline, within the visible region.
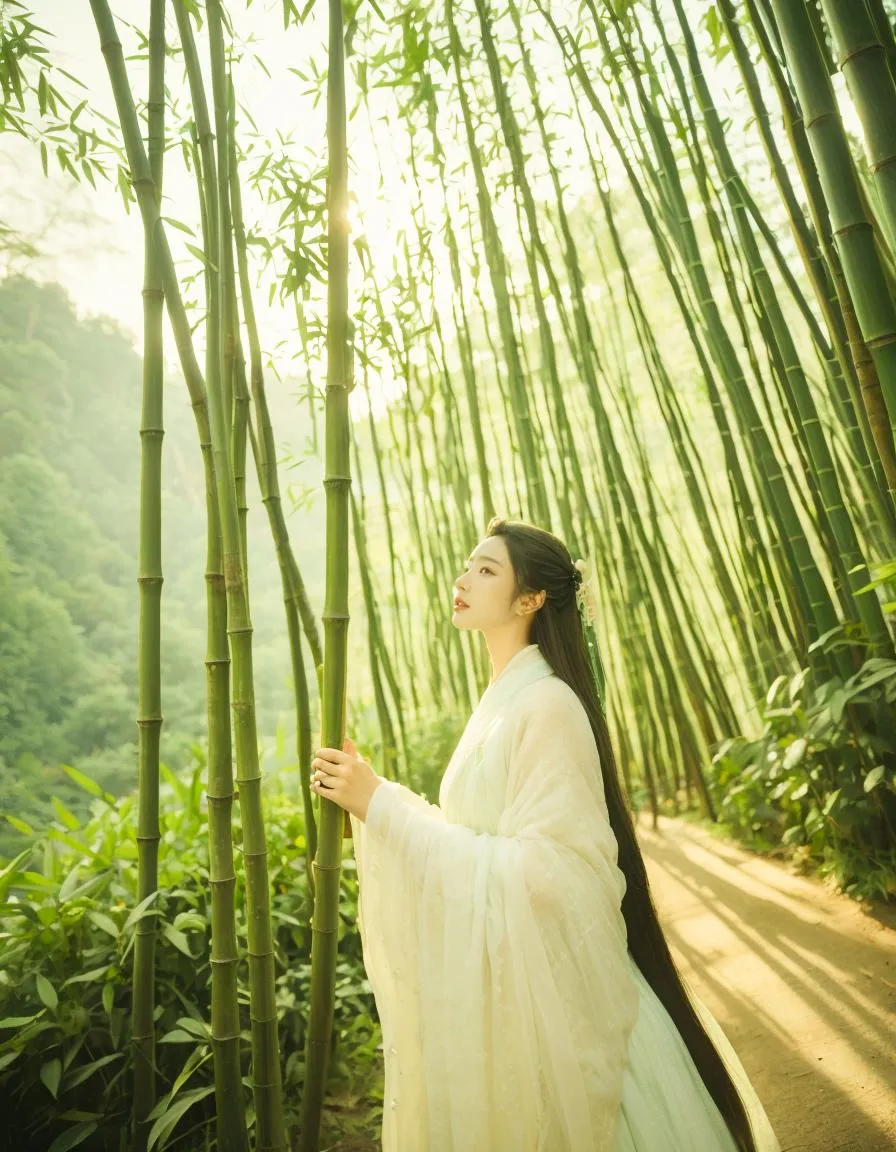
(486, 588)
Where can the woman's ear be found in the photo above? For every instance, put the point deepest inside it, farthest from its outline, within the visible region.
(531, 602)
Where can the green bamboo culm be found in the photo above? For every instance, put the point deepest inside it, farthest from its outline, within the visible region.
(264, 451)
(215, 450)
(337, 484)
(862, 266)
(862, 57)
(267, 1084)
(230, 1112)
(149, 581)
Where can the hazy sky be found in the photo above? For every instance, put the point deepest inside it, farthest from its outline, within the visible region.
(96, 251)
(92, 246)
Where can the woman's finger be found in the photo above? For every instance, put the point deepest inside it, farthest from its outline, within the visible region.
(332, 755)
(327, 787)
(329, 767)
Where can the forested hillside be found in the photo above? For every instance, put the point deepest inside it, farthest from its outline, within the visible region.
(69, 398)
(69, 487)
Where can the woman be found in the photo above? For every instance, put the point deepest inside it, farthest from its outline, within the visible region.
(527, 996)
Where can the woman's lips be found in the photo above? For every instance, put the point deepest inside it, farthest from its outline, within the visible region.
(459, 605)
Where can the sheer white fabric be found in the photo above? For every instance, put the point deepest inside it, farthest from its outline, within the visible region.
(513, 1017)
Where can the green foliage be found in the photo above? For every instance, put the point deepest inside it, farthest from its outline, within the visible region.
(820, 782)
(46, 104)
(67, 925)
(430, 745)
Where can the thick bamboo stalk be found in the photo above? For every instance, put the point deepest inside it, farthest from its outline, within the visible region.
(266, 1073)
(808, 246)
(885, 26)
(846, 545)
(862, 57)
(266, 1067)
(264, 450)
(230, 1113)
(149, 580)
(867, 399)
(864, 272)
(337, 482)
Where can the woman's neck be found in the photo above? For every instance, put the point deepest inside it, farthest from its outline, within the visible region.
(502, 650)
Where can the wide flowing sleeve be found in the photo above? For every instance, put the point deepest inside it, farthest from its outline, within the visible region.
(499, 961)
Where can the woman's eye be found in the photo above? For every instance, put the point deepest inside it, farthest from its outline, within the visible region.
(485, 570)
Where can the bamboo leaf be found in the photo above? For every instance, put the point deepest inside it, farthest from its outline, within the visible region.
(167, 1122)
(874, 777)
(831, 801)
(47, 992)
(73, 1137)
(82, 781)
(69, 884)
(178, 939)
(200, 255)
(141, 910)
(91, 977)
(68, 818)
(20, 825)
(179, 225)
(87, 1070)
(18, 1021)
(197, 1028)
(51, 1074)
(42, 90)
(105, 922)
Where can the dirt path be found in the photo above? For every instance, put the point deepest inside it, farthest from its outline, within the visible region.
(802, 981)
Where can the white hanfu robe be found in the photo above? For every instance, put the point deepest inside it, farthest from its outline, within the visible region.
(513, 1016)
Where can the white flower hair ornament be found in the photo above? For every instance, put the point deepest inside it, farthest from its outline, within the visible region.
(587, 602)
(586, 593)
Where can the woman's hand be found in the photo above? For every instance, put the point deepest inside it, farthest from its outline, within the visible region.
(344, 778)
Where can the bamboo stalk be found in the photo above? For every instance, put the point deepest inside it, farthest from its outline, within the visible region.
(862, 266)
(230, 1113)
(862, 57)
(264, 451)
(266, 1073)
(149, 580)
(337, 483)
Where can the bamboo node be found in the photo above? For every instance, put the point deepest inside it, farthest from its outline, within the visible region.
(885, 163)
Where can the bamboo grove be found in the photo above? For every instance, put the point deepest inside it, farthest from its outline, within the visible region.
(616, 300)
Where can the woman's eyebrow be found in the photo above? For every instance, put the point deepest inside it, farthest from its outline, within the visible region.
(490, 559)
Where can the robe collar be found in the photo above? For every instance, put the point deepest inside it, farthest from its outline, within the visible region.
(523, 668)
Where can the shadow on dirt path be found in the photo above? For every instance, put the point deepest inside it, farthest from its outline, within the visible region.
(803, 982)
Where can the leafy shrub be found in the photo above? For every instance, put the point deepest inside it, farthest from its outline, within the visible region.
(820, 781)
(67, 929)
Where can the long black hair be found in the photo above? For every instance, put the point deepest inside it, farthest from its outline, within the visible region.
(541, 562)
